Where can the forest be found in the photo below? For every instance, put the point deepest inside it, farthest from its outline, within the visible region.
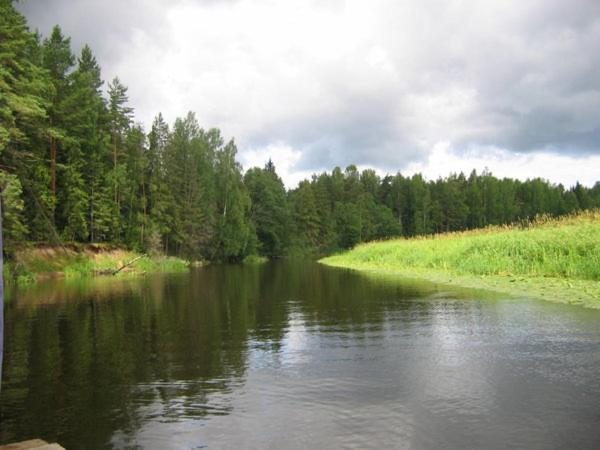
(75, 166)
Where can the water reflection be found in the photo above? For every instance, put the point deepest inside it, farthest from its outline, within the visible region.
(294, 354)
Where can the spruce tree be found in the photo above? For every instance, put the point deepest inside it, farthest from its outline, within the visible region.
(159, 197)
(58, 60)
(90, 156)
(269, 210)
(24, 87)
(119, 121)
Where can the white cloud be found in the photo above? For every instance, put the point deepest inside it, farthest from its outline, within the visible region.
(563, 169)
(283, 157)
(443, 160)
(377, 83)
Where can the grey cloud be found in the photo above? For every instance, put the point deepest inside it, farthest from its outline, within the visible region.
(106, 25)
(363, 131)
(542, 91)
(532, 68)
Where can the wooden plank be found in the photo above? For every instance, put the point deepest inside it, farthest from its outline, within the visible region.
(31, 444)
(25, 445)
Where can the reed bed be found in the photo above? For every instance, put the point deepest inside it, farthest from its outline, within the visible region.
(566, 248)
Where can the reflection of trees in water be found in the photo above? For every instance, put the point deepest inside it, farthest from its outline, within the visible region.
(92, 363)
(99, 357)
(329, 296)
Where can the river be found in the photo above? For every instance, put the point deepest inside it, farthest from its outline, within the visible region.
(295, 355)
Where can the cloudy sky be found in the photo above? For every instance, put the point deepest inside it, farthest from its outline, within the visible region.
(431, 86)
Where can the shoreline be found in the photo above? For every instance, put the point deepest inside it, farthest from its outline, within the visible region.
(584, 293)
(35, 264)
(41, 263)
(554, 259)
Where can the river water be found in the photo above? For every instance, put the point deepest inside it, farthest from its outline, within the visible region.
(296, 355)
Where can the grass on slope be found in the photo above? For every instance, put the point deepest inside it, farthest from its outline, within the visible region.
(557, 259)
(75, 261)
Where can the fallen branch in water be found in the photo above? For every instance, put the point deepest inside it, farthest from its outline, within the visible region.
(116, 271)
(127, 264)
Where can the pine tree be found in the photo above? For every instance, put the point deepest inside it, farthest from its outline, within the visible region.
(90, 156)
(305, 216)
(595, 195)
(134, 199)
(421, 205)
(22, 82)
(158, 194)
(24, 87)
(583, 196)
(474, 200)
(120, 117)
(58, 60)
(189, 160)
(328, 238)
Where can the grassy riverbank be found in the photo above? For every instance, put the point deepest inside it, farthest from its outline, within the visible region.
(72, 261)
(554, 259)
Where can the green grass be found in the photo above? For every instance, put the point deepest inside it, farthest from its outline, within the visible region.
(556, 259)
(17, 273)
(86, 266)
(161, 264)
(255, 259)
(33, 263)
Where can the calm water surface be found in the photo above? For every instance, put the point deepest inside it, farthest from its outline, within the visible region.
(296, 355)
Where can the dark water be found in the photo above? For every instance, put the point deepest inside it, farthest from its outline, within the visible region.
(296, 355)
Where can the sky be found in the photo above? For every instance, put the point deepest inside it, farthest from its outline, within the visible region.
(430, 86)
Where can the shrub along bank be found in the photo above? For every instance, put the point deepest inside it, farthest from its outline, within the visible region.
(37, 262)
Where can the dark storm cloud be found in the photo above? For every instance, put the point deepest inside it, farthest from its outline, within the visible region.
(519, 75)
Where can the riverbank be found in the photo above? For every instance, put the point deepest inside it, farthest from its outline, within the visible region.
(551, 259)
(34, 263)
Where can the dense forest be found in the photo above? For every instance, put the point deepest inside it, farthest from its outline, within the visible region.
(76, 167)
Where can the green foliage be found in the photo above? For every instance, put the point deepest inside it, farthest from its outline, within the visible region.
(255, 259)
(189, 161)
(15, 273)
(161, 264)
(85, 261)
(81, 267)
(13, 227)
(269, 210)
(22, 82)
(348, 224)
(74, 198)
(305, 216)
(78, 169)
(560, 248)
(551, 259)
(234, 230)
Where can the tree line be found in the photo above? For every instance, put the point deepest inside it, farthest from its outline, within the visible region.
(75, 167)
